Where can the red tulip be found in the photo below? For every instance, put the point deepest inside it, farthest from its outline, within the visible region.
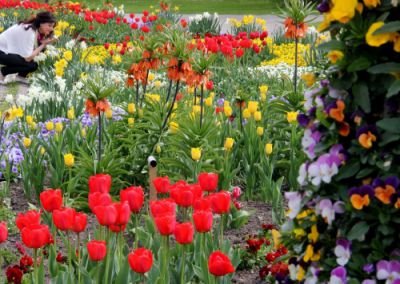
(184, 233)
(97, 250)
(51, 199)
(183, 195)
(208, 181)
(117, 228)
(64, 218)
(165, 224)
(134, 196)
(203, 221)
(30, 217)
(161, 184)
(98, 198)
(106, 215)
(123, 213)
(219, 264)
(80, 222)
(35, 236)
(3, 232)
(106, 45)
(145, 29)
(239, 52)
(145, 13)
(202, 204)
(183, 23)
(163, 207)
(100, 183)
(140, 260)
(209, 85)
(220, 202)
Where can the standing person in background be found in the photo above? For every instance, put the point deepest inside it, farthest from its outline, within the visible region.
(20, 44)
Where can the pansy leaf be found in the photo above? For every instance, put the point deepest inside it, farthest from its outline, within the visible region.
(359, 64)
(348, 170)
(361, 96)
(388, 28)
(385, 68)
(390, 124)
(332, 45)
(358, 231)
(364, 172)
(394, 89)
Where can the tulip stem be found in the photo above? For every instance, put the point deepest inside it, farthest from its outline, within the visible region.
(107, 255)
(164, 268)
(183, 265)
(99, 154)
(136, 233)
(201, 104)
(35, 266)
(221, 236)
(79, 258)
(69, 254)
(98, 272)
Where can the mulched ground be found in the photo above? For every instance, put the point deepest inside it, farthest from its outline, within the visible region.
(260, 214)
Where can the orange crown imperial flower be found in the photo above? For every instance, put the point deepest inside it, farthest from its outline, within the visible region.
(94, 108)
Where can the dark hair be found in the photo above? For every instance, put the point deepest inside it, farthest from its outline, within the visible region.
(40, 18)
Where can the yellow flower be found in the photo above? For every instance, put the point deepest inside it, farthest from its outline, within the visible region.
(208, 101)
(257, 116)
(360, 8)
(29, 119)
(157, 84)
(260, 131)
(377, 40)
(173, 127)
(276, 236)
(1, 29)
(196, 154)
(176, 8)
(228, 111)
(27, 142)
(372, 3)
(67, 55)
(248, 19)
(343, 10)
(151, 76)
(263, 89)
(33, 125)
(158, 149)
(300, 273)
(59, 72)
(153, 97)
(396, 43)
(309, 253)
(263, 97)
(246, 113)
(116, 59)
(228, 143)
(69, 160)
(59, 127)
(131, 121)
(316, 256)
(83, 132)
(268, 149)
(313, 236)
(227, 104)
(49, 126)
(71, 113)
(291, 116)
(196, 109)
(335, 55)
(252, 106)
(109, 113)
(299, 233)
(42, 150)
(131, 108)
(83, 75)
(308, 78)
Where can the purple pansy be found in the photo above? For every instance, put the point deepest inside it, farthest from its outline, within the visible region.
(342, 251)
(338, 276)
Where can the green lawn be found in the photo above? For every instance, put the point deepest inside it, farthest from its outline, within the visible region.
(199, 6)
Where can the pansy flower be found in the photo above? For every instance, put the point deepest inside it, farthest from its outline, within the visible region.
(335, 110)
(361, 196)
(342, 251)
(385, 189)
(366, 135)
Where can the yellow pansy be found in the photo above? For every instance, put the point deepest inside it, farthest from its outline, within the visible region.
(309, 253)
(299, 233)
(372, 3)
(196, 153)
(335, 55)
(131, 108)
(300, 273)
(377, 40)
(343, 10)
(313, 236)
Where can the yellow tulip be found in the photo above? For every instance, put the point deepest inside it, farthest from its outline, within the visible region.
(69, 160)
(263, 89)
(71, 114)
(268, 149)
(257, 116)
(260, 131)
(49, 126)
(109, 113)
(27, 142)
(131, 108)
(196, 153)
(131, 121)
(208, 101)
(291, 116)
(252, 106)
(29, 119)
(42, 150)
(246, 113)
(228, 143)
(158, 149)
(228, 111)
(59, 127)
(83, 132)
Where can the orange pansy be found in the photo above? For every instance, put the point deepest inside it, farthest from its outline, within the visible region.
(366, 139)
(359, 201)
(384, 193)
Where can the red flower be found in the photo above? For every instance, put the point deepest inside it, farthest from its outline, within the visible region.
(60, 258)
(26, 261)
(183, 195)
(97, 250)
(237, 205)
(183, 23)
(80, 221)
(35, 236)
(145, 29)
(106, 45)
(100, 183)
(220, 202)
(270, 257)
(14, 274)
(254, 245)
(134, 196)
(219, 264)
(161, 184)
(239, 52)
(208, 181)
(106, 214)
(117, 228)
(51, 199)
(3, 232)
(30, 217)
(140, 260)
(134, 26)
(98, 198)
(162, 207)
(202, 204)
(123, 213)
(209, 85)
(145, 13)
(203, 221)
(165, 224)
(63, 218)
(184, 233)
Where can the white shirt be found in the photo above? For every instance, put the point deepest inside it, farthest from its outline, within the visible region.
(17, 40)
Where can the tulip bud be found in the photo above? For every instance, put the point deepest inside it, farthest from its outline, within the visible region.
(27, 142)
(69, 160)
(196, 153)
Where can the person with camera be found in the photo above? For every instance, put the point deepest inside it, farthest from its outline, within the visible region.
(22, 42)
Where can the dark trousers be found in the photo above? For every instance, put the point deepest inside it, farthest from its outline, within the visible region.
(14, 63)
